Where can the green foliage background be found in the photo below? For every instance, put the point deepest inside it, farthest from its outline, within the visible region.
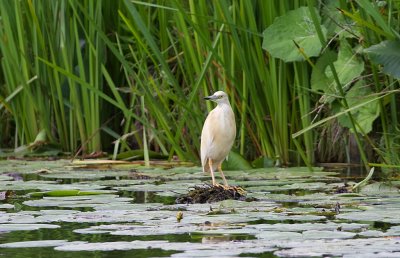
(309, 81)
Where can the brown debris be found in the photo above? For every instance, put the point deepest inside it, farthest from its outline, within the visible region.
(212, 193)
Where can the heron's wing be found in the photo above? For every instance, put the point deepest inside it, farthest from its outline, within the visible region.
(206, 140)
(232, 125)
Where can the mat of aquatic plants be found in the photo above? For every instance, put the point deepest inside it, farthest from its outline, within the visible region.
(59, 209)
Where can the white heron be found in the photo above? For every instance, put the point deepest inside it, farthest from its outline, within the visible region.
(218, 135)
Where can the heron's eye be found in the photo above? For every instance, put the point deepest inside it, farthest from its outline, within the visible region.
(220, 97)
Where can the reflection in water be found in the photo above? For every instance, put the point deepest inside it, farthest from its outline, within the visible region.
(147, 197)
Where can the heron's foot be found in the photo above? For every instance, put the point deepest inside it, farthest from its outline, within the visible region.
(237, 189)
(240, 190)
(215, 184)
(224, 186)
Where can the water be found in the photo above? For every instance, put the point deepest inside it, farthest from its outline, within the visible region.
(297, 208)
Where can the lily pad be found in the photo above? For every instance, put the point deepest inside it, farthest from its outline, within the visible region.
(85, 174)
(19, 227)
(323, 234)
(279, 235)
(6, 178)
(344, 247)
(301, 227)
(61, 193)
(140, 230)
(6, 206)
(77, 201)
(382, 214)
(379, 188)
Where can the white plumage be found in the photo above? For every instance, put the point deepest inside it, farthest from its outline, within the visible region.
(218, 135)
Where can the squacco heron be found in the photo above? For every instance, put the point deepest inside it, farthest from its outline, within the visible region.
(218, 135)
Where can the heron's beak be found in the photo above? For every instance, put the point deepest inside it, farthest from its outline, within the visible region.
(212, 97)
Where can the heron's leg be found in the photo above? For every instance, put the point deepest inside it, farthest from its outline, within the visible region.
(222, 174)
(211, 171)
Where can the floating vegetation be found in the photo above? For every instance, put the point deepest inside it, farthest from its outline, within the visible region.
(130, 211)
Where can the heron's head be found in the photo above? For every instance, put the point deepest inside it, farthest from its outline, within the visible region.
(218, 97)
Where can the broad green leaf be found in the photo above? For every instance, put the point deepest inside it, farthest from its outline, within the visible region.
(236, 162)
(40, 137)
(294, 26)
(263, 162)
(348, 67)
(387, 54)
(319, 79)
(336, 23)
(365, 115)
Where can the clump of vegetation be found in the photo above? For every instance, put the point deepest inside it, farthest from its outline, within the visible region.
(212, 193)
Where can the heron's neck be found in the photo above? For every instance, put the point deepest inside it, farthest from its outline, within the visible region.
(224, 104)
